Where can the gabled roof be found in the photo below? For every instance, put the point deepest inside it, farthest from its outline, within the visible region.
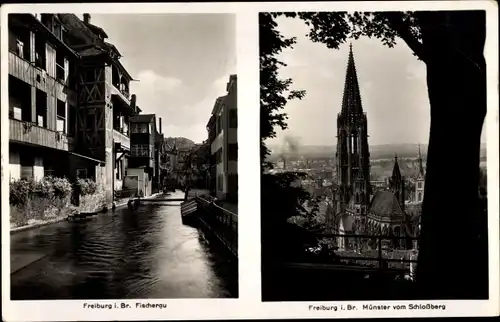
(218, 103)
(142, 118)
(92, 51)
(385, 204)
(97, 30)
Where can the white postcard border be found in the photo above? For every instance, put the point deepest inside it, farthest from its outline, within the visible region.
(249, 304)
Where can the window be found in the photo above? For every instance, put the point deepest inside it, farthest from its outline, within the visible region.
(20, 48)
(17, 113)
(60, 72)
(420, 197)
(81, 173)
(218, 156)
(139, 128)
(233, 152)
(40, 55)
(118, 170)
(61, 116)
(41, 108)
(218, 124)
(233, 119)
(419, 185)
(19, 42)
(58, 30)
(72, 119)
(27, 161)
(140, 150)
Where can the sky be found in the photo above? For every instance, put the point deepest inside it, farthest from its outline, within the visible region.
(182, 63)
(392, 85)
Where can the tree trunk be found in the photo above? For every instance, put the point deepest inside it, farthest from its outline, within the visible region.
(453, 259)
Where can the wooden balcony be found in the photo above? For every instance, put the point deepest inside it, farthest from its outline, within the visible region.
(29, 133)
(122, 139)
(35, 76)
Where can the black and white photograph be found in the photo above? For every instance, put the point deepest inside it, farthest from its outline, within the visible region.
(123, 178)
(359, 140)
(365, 118)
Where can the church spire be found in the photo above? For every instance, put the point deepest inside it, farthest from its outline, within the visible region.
(396, 173)
(420, 164)
(351, 102)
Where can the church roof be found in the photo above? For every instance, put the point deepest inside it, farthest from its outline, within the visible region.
(351, 102)
(385, 204)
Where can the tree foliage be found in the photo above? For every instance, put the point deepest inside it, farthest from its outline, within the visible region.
(274, 91)
(334, 28)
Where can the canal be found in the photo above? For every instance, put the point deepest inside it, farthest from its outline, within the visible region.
(147, 253)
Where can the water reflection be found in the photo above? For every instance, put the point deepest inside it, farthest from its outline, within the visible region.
(149, 253)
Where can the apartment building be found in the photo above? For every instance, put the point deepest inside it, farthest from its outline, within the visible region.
(141, 164)
(161, 160)
(42, 96)
(223, 138)
(69, 100)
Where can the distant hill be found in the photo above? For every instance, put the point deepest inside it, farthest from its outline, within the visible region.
(180, 142)
(381, 151)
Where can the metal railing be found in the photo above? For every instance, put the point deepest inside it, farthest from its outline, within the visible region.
(389, 252)
(221, 222)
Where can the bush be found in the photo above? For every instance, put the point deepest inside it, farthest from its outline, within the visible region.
(32, 200)
(48, 187)
(62, 187)
(44, 188)
(20, 191)
(87, 186)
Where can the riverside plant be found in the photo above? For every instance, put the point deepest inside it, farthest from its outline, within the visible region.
(37, 201)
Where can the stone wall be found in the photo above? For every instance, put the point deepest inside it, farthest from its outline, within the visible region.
(93, 203)
(39, 210)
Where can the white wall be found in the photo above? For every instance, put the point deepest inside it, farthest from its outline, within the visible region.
(14, 165)
(139, 173)
(38, 169)
(217, 143)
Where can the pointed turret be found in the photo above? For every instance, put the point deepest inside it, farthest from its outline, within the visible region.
(420, 173)
(396, 173)
(351, 102)
(419, 179)
(397, 183)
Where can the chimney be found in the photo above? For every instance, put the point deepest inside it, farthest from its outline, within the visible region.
(160, 125)
(86, 17)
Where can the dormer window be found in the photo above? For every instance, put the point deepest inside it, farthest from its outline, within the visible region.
(58, 30)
